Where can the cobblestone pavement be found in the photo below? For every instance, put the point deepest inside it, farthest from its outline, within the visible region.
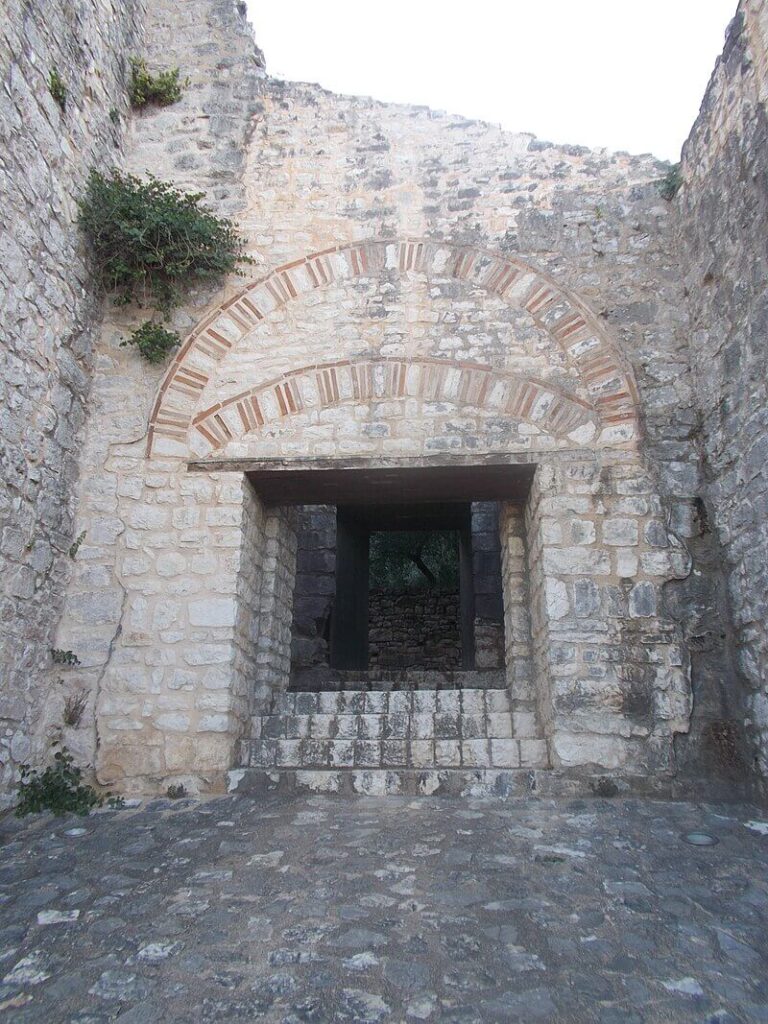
(320, 909)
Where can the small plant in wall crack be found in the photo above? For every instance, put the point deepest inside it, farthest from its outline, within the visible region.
(64, 657)
(74, 706)
(162, 89)
(153, 341)
(59, 788)
(74, 547)
(57, 88)
(671, 183)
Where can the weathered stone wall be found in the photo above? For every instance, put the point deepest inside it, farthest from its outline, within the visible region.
(416, 630)
(611, 677)
(457, 292)
(529, 701)
(314, 591)
(158, 604)
(426, 289)
(723, 225)
(486, 582)
(50, 317)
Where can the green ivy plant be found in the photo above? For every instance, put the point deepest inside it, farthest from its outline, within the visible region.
(162, 89)
(670, 184)
(153, 341)
(59, 788)
(149, 240)
(57, 88)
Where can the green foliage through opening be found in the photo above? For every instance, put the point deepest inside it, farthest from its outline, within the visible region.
(403, 560)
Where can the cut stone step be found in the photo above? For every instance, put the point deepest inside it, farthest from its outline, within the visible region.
(414, 753)
(398, 726)
(314, 681)
(456, 782)
(382, 702)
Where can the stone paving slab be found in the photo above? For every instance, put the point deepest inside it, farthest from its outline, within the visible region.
(318, 909)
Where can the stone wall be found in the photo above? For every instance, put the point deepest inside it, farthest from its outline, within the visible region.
(50, 317)
(314, 591)
(723, 224)
(448, 292)
(158, 606)
(610, 673)
(426, 290)
(414, 630)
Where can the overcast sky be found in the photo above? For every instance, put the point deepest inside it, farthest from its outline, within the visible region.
(625, 74)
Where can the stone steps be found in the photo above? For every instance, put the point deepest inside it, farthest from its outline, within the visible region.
(325, 681)
(451, 782)
(455, 729)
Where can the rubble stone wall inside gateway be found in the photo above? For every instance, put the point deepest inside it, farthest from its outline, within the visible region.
(50, 318)
(723, 227)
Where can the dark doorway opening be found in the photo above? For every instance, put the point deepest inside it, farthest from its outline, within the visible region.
(338, 507)
(404, 589)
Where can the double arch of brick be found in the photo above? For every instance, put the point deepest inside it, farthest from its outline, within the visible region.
(608, 382)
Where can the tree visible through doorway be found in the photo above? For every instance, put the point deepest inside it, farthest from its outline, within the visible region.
(406, 560)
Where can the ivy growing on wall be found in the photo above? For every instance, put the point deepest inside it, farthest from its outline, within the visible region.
(149, 240)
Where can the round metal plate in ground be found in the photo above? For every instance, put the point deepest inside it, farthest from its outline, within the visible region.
(699, 839)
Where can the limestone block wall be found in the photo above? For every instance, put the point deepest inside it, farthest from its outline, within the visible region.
(722, 224)
(611, 676)
(278, 581)
(424, 288)
(50, 317)
(197, 143)
(529, 693)
(486, 578)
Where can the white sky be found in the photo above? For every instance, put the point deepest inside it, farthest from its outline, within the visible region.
(625, 74)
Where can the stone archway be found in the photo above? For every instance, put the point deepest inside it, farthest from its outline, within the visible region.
(586, 347)
(404, 354)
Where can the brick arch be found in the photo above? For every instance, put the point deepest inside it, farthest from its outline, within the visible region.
(325, 385)
(569, 323)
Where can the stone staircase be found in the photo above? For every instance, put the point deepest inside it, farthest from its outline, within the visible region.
(394, 740)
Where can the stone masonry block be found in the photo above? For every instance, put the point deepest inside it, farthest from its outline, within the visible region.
(394, 753)
(370, 727)
(422, 753)
(341, 753)
(367, 754)
(505, 753)
(476, 753)
(447, 726)
(497, 700)
(533, 753)
(422, 727)
(500, 725)
(447, 753)
(473, 726)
